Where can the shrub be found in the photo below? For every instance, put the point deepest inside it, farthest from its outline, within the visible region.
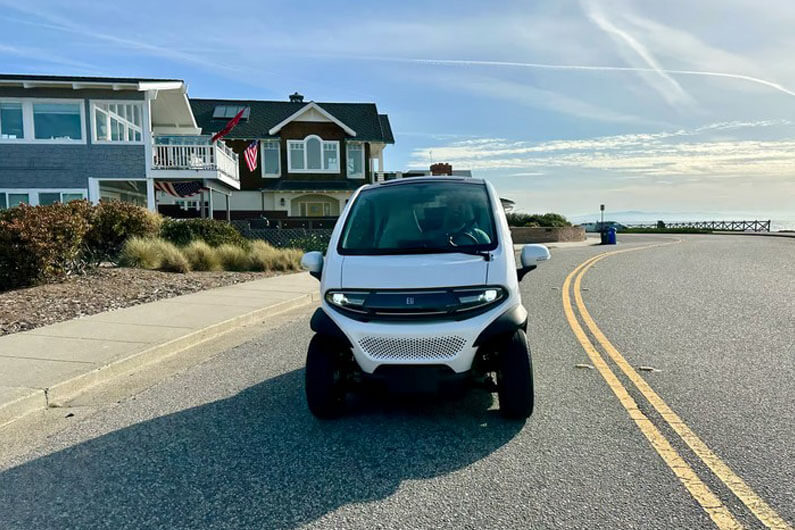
(264, 257)
(214, 233)
(311, 242)
(233, 258)
(39, 244)
(202, 257)
(545, 220)
(113, 223)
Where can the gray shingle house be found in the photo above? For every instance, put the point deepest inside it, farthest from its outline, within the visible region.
(64, 138)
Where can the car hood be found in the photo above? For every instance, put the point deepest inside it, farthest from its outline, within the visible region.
(416, 271)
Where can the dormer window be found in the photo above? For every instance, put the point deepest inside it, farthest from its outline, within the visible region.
(230, 111)
(313, 155)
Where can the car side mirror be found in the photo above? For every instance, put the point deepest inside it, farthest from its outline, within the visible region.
(530, 257)
(313, 262)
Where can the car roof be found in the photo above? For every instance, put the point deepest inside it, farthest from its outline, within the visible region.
(414, 180)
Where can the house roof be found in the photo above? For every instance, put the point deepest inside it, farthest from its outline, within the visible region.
(77, 78)
(83, 82)
(310, 185)
(386, 128)
(363, 118)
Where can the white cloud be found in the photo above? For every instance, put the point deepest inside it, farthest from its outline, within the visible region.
(692, 152)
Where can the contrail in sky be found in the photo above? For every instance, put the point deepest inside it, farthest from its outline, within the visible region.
(597, 68)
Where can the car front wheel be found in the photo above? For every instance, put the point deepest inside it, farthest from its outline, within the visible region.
(515, 377)
(324, 381)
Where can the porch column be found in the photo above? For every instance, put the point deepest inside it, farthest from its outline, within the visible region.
(201, 204)
(210, 200)
(151, 199)
(228, 207)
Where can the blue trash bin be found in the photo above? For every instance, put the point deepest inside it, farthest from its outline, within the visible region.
(611, 236)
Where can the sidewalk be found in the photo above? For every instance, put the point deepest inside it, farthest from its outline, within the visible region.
(50, 364)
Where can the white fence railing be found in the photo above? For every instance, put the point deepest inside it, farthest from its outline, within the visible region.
(214, 157)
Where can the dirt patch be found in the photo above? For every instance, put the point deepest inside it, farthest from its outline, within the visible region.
(103, 289)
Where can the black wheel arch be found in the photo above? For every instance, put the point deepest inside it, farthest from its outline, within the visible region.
(322, 324)
(505, 324)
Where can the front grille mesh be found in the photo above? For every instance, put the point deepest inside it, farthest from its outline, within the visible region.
(412, 349)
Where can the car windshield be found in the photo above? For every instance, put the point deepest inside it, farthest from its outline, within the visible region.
(422, 217)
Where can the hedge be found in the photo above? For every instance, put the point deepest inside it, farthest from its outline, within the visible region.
(530, 220)
(214, 233)
(40, 244)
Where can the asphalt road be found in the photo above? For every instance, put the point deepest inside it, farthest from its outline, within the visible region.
(228, 443)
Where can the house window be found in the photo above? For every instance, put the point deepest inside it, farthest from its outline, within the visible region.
(3, 203)
(57, 121)
(51, 197)
(270, 158)
(230, 111)
(15, 199)
(11, 127)
(356, 159)
(118, 122)
(313, 155)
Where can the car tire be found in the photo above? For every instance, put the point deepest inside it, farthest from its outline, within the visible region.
(324, 382)
(515, 377)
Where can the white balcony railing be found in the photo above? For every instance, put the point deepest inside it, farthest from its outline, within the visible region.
(195, 153)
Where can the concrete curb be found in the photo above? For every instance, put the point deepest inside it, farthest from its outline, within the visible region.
(22, 401)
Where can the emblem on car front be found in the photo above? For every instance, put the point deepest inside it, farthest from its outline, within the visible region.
(409, 300)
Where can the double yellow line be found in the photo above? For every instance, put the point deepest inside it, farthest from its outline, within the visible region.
(710, 502)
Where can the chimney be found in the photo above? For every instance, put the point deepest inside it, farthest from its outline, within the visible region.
(441, 168)
(296, 98)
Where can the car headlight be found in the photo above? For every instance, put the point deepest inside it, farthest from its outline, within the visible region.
(352, 300)
(479, 297)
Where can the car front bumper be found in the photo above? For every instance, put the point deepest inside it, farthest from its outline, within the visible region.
(437, 343)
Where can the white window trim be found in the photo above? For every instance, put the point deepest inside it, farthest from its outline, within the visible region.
(92, 113)
(28, 124)
(363, 174)
(278, 160)
(33, 193)
(322, 143)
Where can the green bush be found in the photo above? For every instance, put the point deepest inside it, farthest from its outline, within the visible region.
(214, 233)
(112, 223)
(530, 220)
(233, 258)
(202, 257)
(312, 242)
(39, 244)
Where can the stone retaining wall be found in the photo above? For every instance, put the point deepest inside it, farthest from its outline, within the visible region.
(523, 234)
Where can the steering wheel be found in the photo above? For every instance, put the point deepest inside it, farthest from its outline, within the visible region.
(452, 235)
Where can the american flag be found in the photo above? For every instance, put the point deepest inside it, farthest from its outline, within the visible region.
(251, 155)
(180, 189)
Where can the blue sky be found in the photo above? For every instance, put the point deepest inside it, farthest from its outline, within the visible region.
(672, 106)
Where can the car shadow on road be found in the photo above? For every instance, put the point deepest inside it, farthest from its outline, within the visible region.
(257, 459)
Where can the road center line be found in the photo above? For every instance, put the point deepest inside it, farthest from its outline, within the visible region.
(737, 485)
(711, 504)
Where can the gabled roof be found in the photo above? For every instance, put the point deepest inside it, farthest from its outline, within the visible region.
(308, 107)
(363, 118)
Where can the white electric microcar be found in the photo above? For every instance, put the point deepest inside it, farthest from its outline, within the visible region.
(420, 289)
